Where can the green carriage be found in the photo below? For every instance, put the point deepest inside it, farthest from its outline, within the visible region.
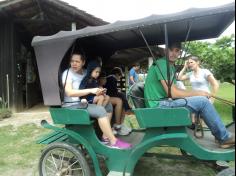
(74, 139)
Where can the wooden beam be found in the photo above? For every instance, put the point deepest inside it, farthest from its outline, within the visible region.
(9, 3)
(4, 13)
(85, 17)
(23, 20)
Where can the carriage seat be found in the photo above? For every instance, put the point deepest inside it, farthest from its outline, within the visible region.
(137, 90)
(156, 117)
(70, 116)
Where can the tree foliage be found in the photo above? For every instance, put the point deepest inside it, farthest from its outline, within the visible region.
(219, 57)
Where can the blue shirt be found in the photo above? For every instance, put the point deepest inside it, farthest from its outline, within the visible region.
(133, 73)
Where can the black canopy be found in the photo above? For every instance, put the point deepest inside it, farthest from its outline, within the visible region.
(104, 40)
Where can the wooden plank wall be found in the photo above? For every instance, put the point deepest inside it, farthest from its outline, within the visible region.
(9, 45)
(7, 60)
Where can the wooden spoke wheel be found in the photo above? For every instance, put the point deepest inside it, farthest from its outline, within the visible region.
(61, 159)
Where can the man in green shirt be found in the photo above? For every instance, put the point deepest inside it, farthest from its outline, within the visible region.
(153, 87)
(196, 101)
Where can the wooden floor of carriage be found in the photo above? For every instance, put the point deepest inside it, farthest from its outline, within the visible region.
(208, 141)
(152, 166)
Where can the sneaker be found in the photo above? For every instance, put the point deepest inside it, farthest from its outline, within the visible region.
(192, 127)
(122, 129)
(116, 127)
(230, 142)
(105, 141)
(114, 131)
(123, 132)
(126, 128)
(121, 144)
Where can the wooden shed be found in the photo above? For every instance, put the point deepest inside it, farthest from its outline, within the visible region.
(20, 21)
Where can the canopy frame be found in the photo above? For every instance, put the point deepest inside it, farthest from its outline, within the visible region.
(105, 40)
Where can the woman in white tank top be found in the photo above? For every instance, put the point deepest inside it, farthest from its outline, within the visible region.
(200, 78)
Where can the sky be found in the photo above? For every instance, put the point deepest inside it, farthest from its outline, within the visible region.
(114, 10)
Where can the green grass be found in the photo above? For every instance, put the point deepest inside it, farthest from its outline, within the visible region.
(227, 92)
(18, 148)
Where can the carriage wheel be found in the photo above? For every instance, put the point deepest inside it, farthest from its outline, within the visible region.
(61, 159)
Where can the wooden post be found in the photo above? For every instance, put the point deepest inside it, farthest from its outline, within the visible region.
(73, 26)
(150, 61)
(126, 79)
(8, 91)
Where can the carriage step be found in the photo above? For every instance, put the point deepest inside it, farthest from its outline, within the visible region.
(52, 137)
(114, 173)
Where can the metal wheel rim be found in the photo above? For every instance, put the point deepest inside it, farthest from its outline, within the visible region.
(61, 162)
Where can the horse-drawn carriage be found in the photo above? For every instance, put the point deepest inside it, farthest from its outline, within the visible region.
(75, 136)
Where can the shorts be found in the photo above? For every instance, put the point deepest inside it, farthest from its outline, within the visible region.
(95, 111)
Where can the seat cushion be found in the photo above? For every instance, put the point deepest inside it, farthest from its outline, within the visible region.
(137, 94)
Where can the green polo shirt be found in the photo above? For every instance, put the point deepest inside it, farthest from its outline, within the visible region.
(153, 88)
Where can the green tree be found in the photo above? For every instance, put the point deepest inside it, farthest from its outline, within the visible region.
(219, 57)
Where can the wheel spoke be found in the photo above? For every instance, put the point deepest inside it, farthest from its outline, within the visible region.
(80, 169)
(54, 162)
(61, 159)
(72, 164)
(50, 161)
(51, 170)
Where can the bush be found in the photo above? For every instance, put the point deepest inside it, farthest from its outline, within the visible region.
(5, 113)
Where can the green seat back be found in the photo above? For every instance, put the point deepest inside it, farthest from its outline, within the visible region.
(162, 117)
(136, 93)
(70, 116)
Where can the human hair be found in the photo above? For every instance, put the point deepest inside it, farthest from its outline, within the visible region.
(82, 56)
(102, 74)
(195, 58)
(173, 45)
(117, 70)
(102, 79)
(92, 65)
(136, 64)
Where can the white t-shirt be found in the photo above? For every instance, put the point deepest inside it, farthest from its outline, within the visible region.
(180, 85)
(200, 82)
(76, 79)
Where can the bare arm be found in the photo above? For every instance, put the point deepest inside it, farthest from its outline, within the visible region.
(79, 93)
(181, 75)
(214, 84)
(131, 78)
(179, 93)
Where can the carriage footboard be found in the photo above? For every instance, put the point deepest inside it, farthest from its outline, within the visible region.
(55, 136)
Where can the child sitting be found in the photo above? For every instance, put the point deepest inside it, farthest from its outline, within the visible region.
(118, 100)
(91, 81)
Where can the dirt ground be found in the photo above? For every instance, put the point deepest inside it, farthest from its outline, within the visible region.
(150, 166)
(33, 115)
